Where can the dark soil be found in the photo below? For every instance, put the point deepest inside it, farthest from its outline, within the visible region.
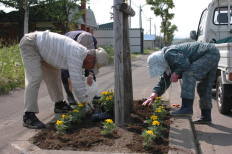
(86, 136)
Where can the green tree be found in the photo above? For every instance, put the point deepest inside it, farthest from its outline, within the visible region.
(20, 6)
(63, 12)
(58, 11)
(162, 8)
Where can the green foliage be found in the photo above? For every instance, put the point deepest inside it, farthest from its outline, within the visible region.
(11, 69)
(148, 136)
(60, 11)
(110, 51)
(161, 8)
(68, 120)
(155, 123)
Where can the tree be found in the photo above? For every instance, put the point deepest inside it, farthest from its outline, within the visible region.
(56, 10)
(21, 6)
(161, 8)
(60, 11)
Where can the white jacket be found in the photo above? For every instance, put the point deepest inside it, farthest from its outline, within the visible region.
(64, 53)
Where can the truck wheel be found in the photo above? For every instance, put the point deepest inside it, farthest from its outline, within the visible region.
(223, 102)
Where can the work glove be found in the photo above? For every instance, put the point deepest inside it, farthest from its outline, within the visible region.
(150, 99)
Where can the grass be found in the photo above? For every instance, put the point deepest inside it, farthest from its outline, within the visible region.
(11, 69)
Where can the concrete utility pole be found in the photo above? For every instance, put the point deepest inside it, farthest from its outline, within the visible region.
(150, 24)
(26, 16)
(123, 78)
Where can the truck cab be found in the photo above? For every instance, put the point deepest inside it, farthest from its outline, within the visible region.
(215, 26)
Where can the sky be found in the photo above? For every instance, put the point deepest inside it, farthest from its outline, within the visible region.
(187, 15)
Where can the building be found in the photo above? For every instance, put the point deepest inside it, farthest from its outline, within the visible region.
(149, 41)
(104, 36)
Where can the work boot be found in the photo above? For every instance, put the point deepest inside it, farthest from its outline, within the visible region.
(31, 121)
(186, 108)
(71, 100)
(62, 107)
(205, 117)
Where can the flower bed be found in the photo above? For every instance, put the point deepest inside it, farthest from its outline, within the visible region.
(147, 131)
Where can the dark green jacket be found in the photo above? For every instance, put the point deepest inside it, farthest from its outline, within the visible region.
(179, 58)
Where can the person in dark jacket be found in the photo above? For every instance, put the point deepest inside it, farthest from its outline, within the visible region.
(89, 44)
(190, 62)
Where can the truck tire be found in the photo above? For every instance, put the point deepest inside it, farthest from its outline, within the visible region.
(223, 101)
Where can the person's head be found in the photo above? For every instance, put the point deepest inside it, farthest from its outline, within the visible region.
(95, 59)
(86, 39)
(157, 64)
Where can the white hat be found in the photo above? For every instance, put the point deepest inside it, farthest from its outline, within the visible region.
(102, 59)
(157, 63)
(86, 39)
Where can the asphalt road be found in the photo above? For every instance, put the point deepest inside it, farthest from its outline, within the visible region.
(216, 138)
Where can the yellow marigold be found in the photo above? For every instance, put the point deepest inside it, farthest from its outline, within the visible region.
(110, 121)
(64, 116)
(156, 123)
(158, 110)
(150, 132)
(158, 98)
(59, 122)
(108, 98)
(154, 117)
(75, 110)
(104, 93)
(81, 105)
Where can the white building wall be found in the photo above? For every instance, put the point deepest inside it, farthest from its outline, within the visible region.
(105, 38)
(149, 44)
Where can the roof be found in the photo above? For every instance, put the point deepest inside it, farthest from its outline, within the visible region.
(90, 18)
(149, 37)
(106, 26)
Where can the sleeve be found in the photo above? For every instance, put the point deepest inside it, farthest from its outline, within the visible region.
(177, 61)
(77, 79)
(162, 85)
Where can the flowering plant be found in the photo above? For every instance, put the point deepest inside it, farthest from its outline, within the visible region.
(155, 122)
(65, 121)
(149, 136)
(61, 127)
(107, 101)
(108, 127)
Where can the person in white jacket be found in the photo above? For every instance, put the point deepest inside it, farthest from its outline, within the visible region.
(44, 54)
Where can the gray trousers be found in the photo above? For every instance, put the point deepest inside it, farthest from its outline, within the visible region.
(202, 70)
(37, 70)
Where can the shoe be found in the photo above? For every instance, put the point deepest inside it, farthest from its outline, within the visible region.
(186, 108)
(62, 107)
(31, 121)
(72, 101)
(205, 117)
(100, 116)
(96, 97)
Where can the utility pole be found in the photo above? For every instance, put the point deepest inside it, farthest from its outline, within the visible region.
(140, 17)
(26, 16)
(130, 16)
(150, 23)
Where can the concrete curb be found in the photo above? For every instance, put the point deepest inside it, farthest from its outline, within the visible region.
(181, 141)
(181, 136)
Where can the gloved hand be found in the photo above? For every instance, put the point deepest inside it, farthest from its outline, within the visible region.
(150, 99)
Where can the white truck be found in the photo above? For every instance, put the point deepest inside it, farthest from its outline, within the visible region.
(215, 26)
